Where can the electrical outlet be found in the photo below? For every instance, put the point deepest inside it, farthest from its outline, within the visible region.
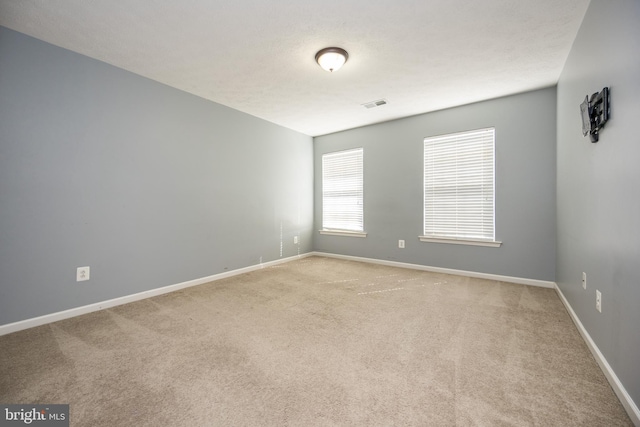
(584, 280)
(82, 274)
(295, 240)
(598, 301)
(401, 244)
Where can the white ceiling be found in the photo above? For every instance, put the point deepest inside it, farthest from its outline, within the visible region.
(257, 56)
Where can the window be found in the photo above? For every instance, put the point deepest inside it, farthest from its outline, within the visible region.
(342, 193)
(459, 188)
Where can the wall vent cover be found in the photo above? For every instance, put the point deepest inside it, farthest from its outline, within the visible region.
(374, 104)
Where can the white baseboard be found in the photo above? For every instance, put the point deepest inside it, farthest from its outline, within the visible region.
(621, 392)
(626, 400)
(66, 314)
(509, 279)
(61, 315)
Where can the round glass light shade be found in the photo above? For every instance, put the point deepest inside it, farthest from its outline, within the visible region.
(332, 58)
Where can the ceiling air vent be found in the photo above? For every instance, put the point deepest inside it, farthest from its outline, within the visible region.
(374, 104)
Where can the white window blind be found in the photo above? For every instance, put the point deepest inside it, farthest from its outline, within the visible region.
(459, 186)
(342, 190)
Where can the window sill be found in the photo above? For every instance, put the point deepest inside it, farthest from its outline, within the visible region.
(344, 233)
(492, 244)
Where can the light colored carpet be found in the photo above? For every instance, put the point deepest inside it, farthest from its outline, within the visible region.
(318, 341)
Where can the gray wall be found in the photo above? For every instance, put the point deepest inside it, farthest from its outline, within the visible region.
(599, 186)
(147, 185)
(393, 178)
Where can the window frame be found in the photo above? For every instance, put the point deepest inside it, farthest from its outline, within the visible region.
(464, 233)
(347, 157)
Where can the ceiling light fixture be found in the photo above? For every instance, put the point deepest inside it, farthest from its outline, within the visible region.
(332, 58)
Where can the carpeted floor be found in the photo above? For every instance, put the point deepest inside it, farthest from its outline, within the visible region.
(318, 341)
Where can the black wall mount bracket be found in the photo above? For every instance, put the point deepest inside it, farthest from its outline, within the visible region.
(595, 112)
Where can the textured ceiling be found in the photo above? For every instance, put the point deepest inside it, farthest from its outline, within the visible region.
(257, 56)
